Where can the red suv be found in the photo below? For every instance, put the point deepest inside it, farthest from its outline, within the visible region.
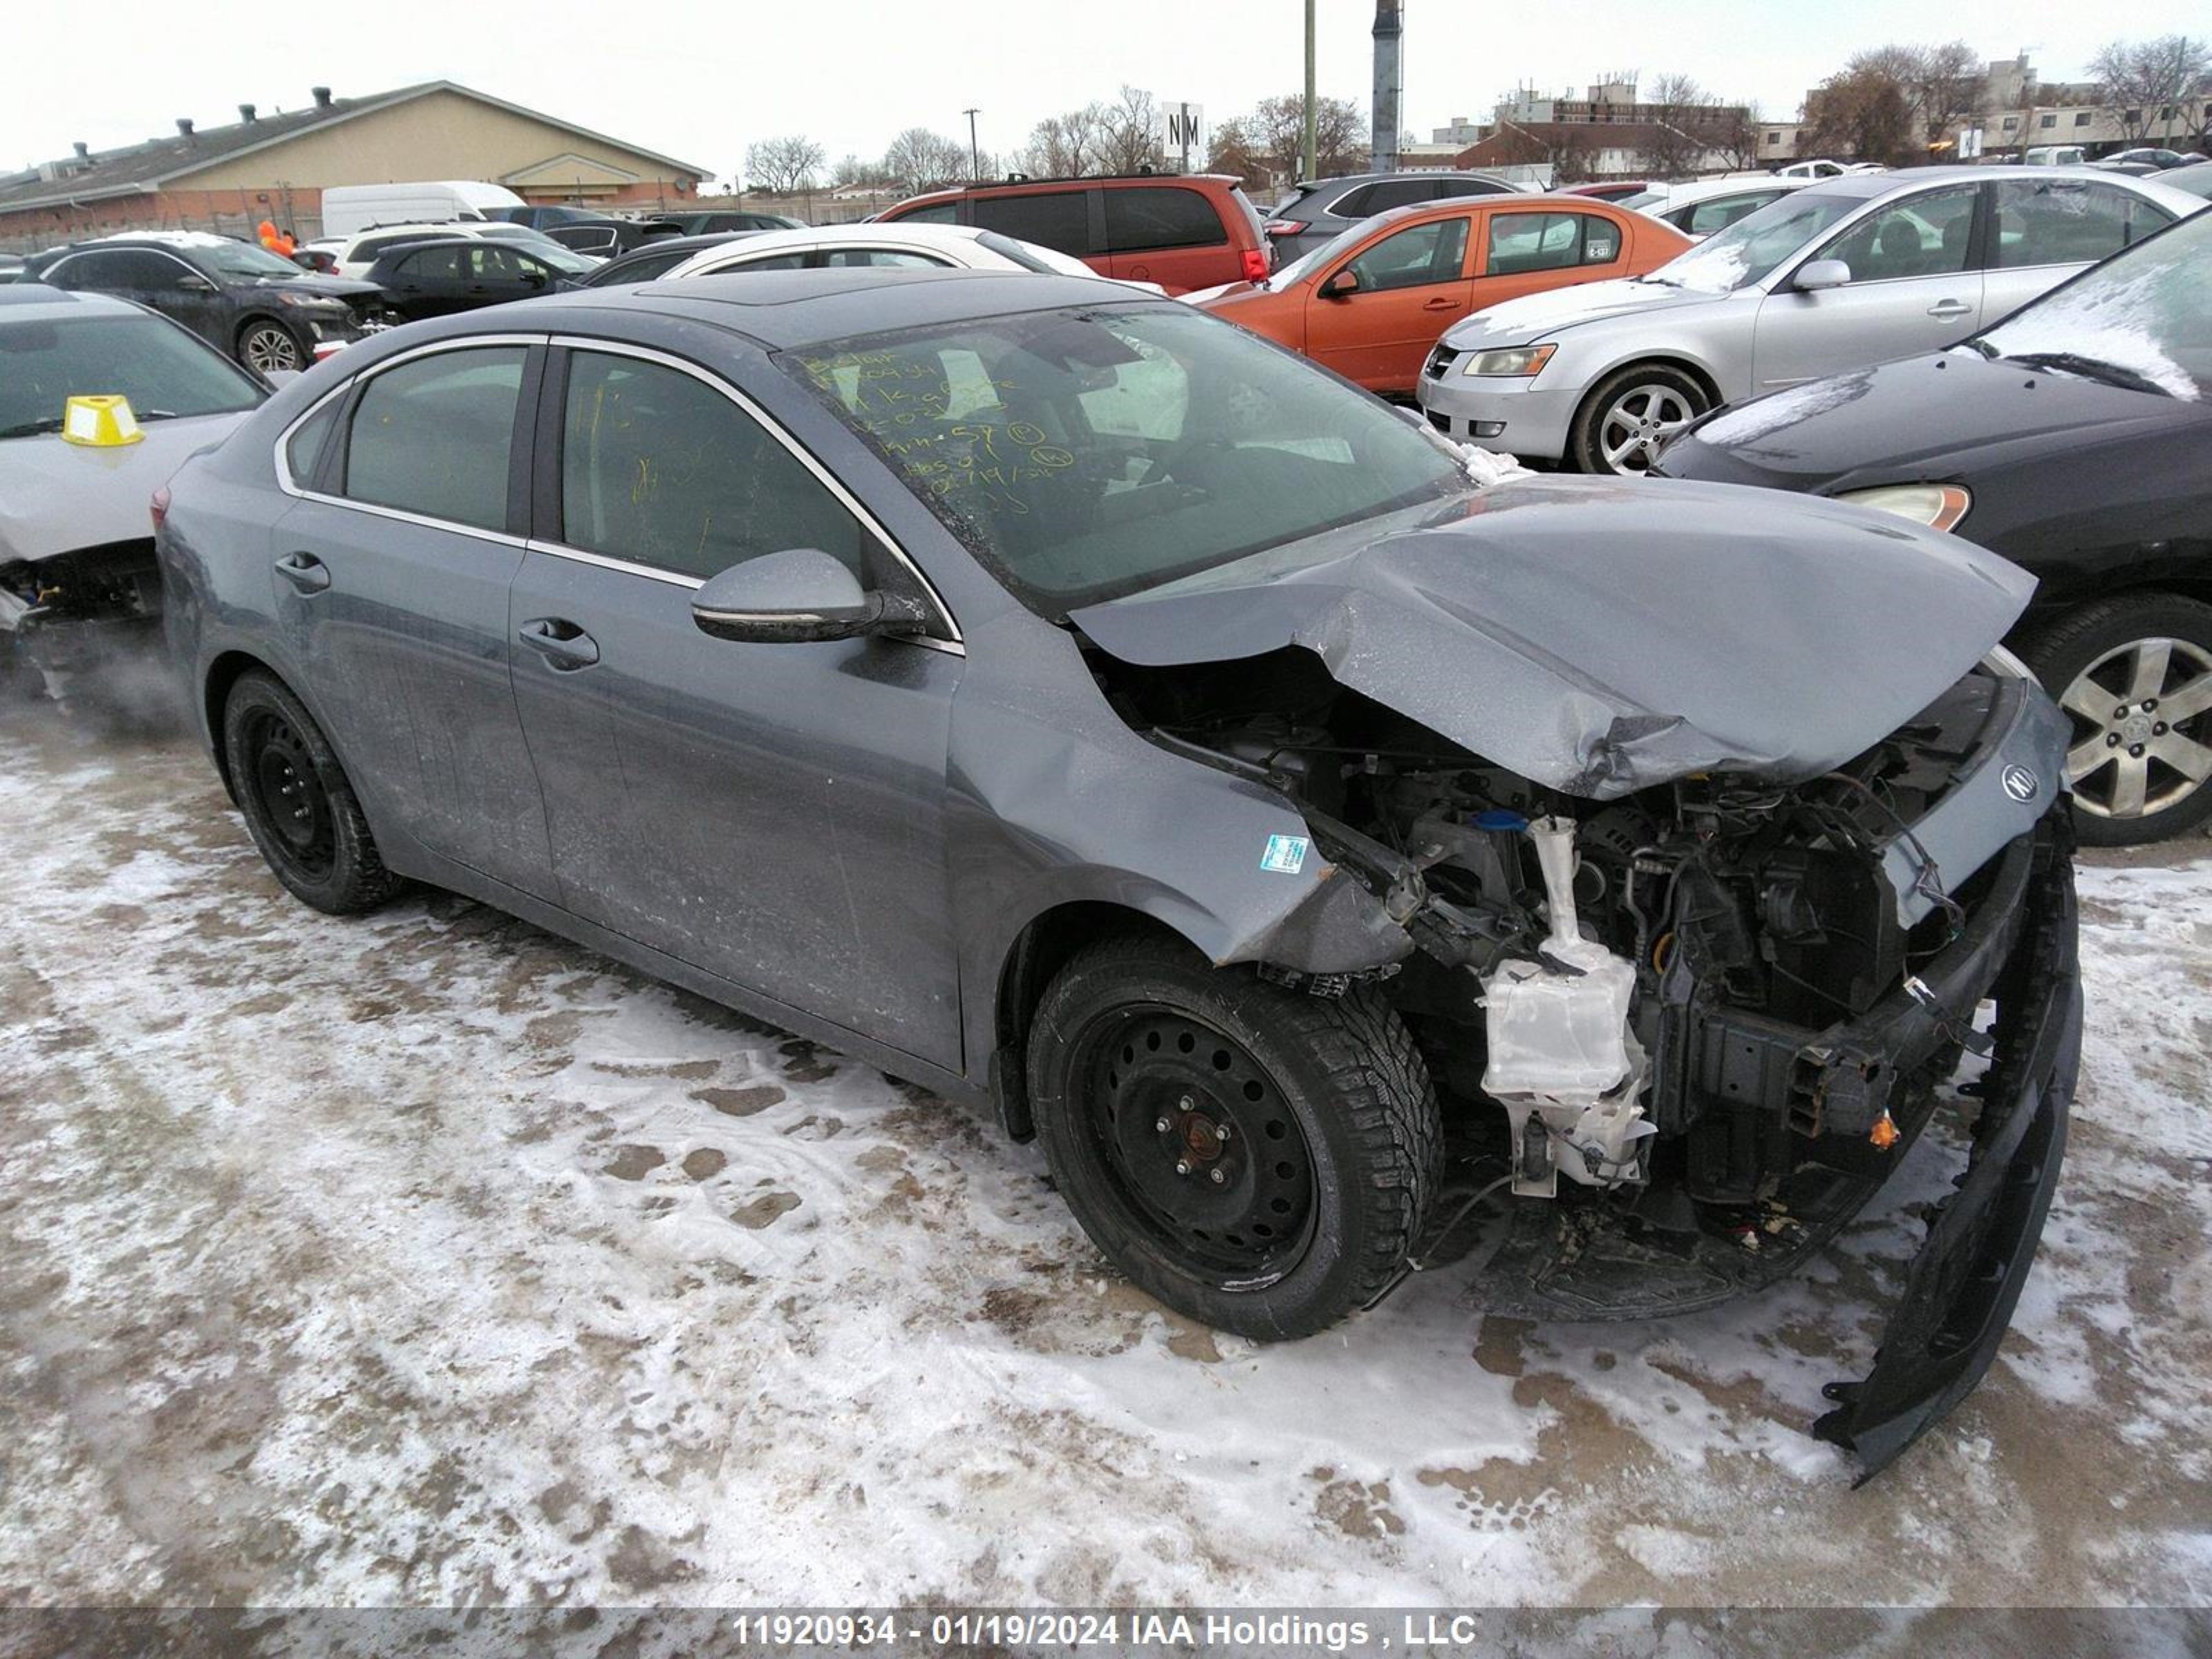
(1187, 231)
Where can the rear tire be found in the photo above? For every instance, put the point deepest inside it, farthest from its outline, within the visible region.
(299, 807)
(1258, 1158)
(1622, 423)
(2134, 674)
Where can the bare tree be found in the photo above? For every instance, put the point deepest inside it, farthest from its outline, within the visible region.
(1678, 113)
(1735, 136)
(919, 158)
(784, 167)
(1275, 131)
(2140, 81)
(1860, 111)
(1130, 132)
(1066, 146)
(1941, 87)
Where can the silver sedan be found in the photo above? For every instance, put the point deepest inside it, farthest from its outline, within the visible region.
(1843, 274)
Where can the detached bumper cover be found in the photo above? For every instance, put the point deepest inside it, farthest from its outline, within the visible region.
(1968, 1277)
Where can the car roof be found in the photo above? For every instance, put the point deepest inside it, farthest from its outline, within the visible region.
(34, 303)
(1699, 190)
(781, 310)
(1101, 181)
(872, 231)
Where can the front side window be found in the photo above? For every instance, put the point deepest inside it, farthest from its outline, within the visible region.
(658, 468)
(1420, 254)
(1147, 216)
(944, 213)
(1747, 251)
(1084, 454)
(1923, 236)
(162, 370)
(434, 437)
(766, 261)
(1050, 218)
(433, 264)
(2059, 222)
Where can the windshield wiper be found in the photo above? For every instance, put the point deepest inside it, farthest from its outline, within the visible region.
(2092, 368)
(32, 428)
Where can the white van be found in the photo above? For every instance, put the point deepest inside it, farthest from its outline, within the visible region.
(2055, 155)
(348, 208)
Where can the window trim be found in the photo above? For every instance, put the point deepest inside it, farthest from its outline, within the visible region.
(571, 343)
(350, 390)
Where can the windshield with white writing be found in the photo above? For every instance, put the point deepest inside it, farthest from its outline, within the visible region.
(1084, 455)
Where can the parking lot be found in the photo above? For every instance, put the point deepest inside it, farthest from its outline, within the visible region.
(427, 1258)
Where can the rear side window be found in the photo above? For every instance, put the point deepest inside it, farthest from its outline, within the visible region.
(882, 258)
(2059, 222)
(305, 448)
(120, 268)
(1703, 218)
(1524, 242)
(658, 468)
(1396, 193)
(943, 213)
(1051, 218)
(434, 437)
(1147, 216)
(433, 264)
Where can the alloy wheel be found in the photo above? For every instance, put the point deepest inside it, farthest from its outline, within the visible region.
(1638, 422)
(2142, 742)
(267, 347)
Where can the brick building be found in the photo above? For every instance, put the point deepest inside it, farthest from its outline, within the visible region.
(276, 165)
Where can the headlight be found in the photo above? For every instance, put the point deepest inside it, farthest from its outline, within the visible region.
(1521, 361)
(309, 301)
(1940, 507)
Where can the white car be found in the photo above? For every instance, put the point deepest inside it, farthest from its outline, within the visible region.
(1702, 206)
(360, 252)
(901, 243)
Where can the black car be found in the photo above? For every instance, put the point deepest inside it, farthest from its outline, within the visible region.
(261, 308)
(436, 278)
(548, 215)
(608, 239)
(702, 224)
(657, 258)
(2074, 438)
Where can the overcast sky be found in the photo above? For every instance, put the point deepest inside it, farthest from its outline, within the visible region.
(701, 81)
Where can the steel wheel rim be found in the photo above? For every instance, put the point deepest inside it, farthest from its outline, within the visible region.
(1638, 422)
(290, 794)
(269, 347)
(2142, 742)
(1197, 1149)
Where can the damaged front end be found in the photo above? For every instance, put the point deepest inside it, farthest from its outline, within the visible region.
(77, 613)
(1692, 1009)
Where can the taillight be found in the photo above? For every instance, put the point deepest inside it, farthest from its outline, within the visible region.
(1285, 227)
(159, 507)
(1255, 265)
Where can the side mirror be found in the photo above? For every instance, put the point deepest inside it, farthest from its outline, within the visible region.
(796, 597)
(1817, 274)
(1342, 285)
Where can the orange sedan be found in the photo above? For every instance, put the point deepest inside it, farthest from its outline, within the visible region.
(1371, 303)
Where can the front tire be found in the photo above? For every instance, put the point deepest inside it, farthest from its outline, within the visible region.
(2134, 673)
(266, 346)
(1258, 1158)
(299, 807)
(1632, 411)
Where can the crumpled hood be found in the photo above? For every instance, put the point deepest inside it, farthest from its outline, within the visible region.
(1519, 322)
(323, 288)
(1599, 636)
(56, 496)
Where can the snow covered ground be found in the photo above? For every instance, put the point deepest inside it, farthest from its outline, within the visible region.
(429, 1259)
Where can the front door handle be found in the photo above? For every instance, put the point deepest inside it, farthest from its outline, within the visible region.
(560, 641)
(304, 572)
(1949, 309)
(1440, 305)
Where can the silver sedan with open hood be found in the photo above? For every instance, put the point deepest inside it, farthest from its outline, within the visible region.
(1337, 856)
(1840, 275)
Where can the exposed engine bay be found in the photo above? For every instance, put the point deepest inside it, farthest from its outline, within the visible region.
(1704, 1020)
(71, 612)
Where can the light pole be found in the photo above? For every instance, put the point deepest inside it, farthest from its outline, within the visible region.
(1310, 168)
(975, 155)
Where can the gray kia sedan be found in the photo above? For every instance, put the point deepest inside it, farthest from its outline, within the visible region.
(1843, 274)
(1339, 857)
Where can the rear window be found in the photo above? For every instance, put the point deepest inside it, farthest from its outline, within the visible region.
(1050, 218)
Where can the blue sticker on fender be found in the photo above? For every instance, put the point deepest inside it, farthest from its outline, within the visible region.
(1285, 855)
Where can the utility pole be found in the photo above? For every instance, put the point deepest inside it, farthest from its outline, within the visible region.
(1311, 168)
(975, 155)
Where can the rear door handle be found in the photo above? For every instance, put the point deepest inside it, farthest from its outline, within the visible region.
(1949, 309)
(560, 641)
(304, 572)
